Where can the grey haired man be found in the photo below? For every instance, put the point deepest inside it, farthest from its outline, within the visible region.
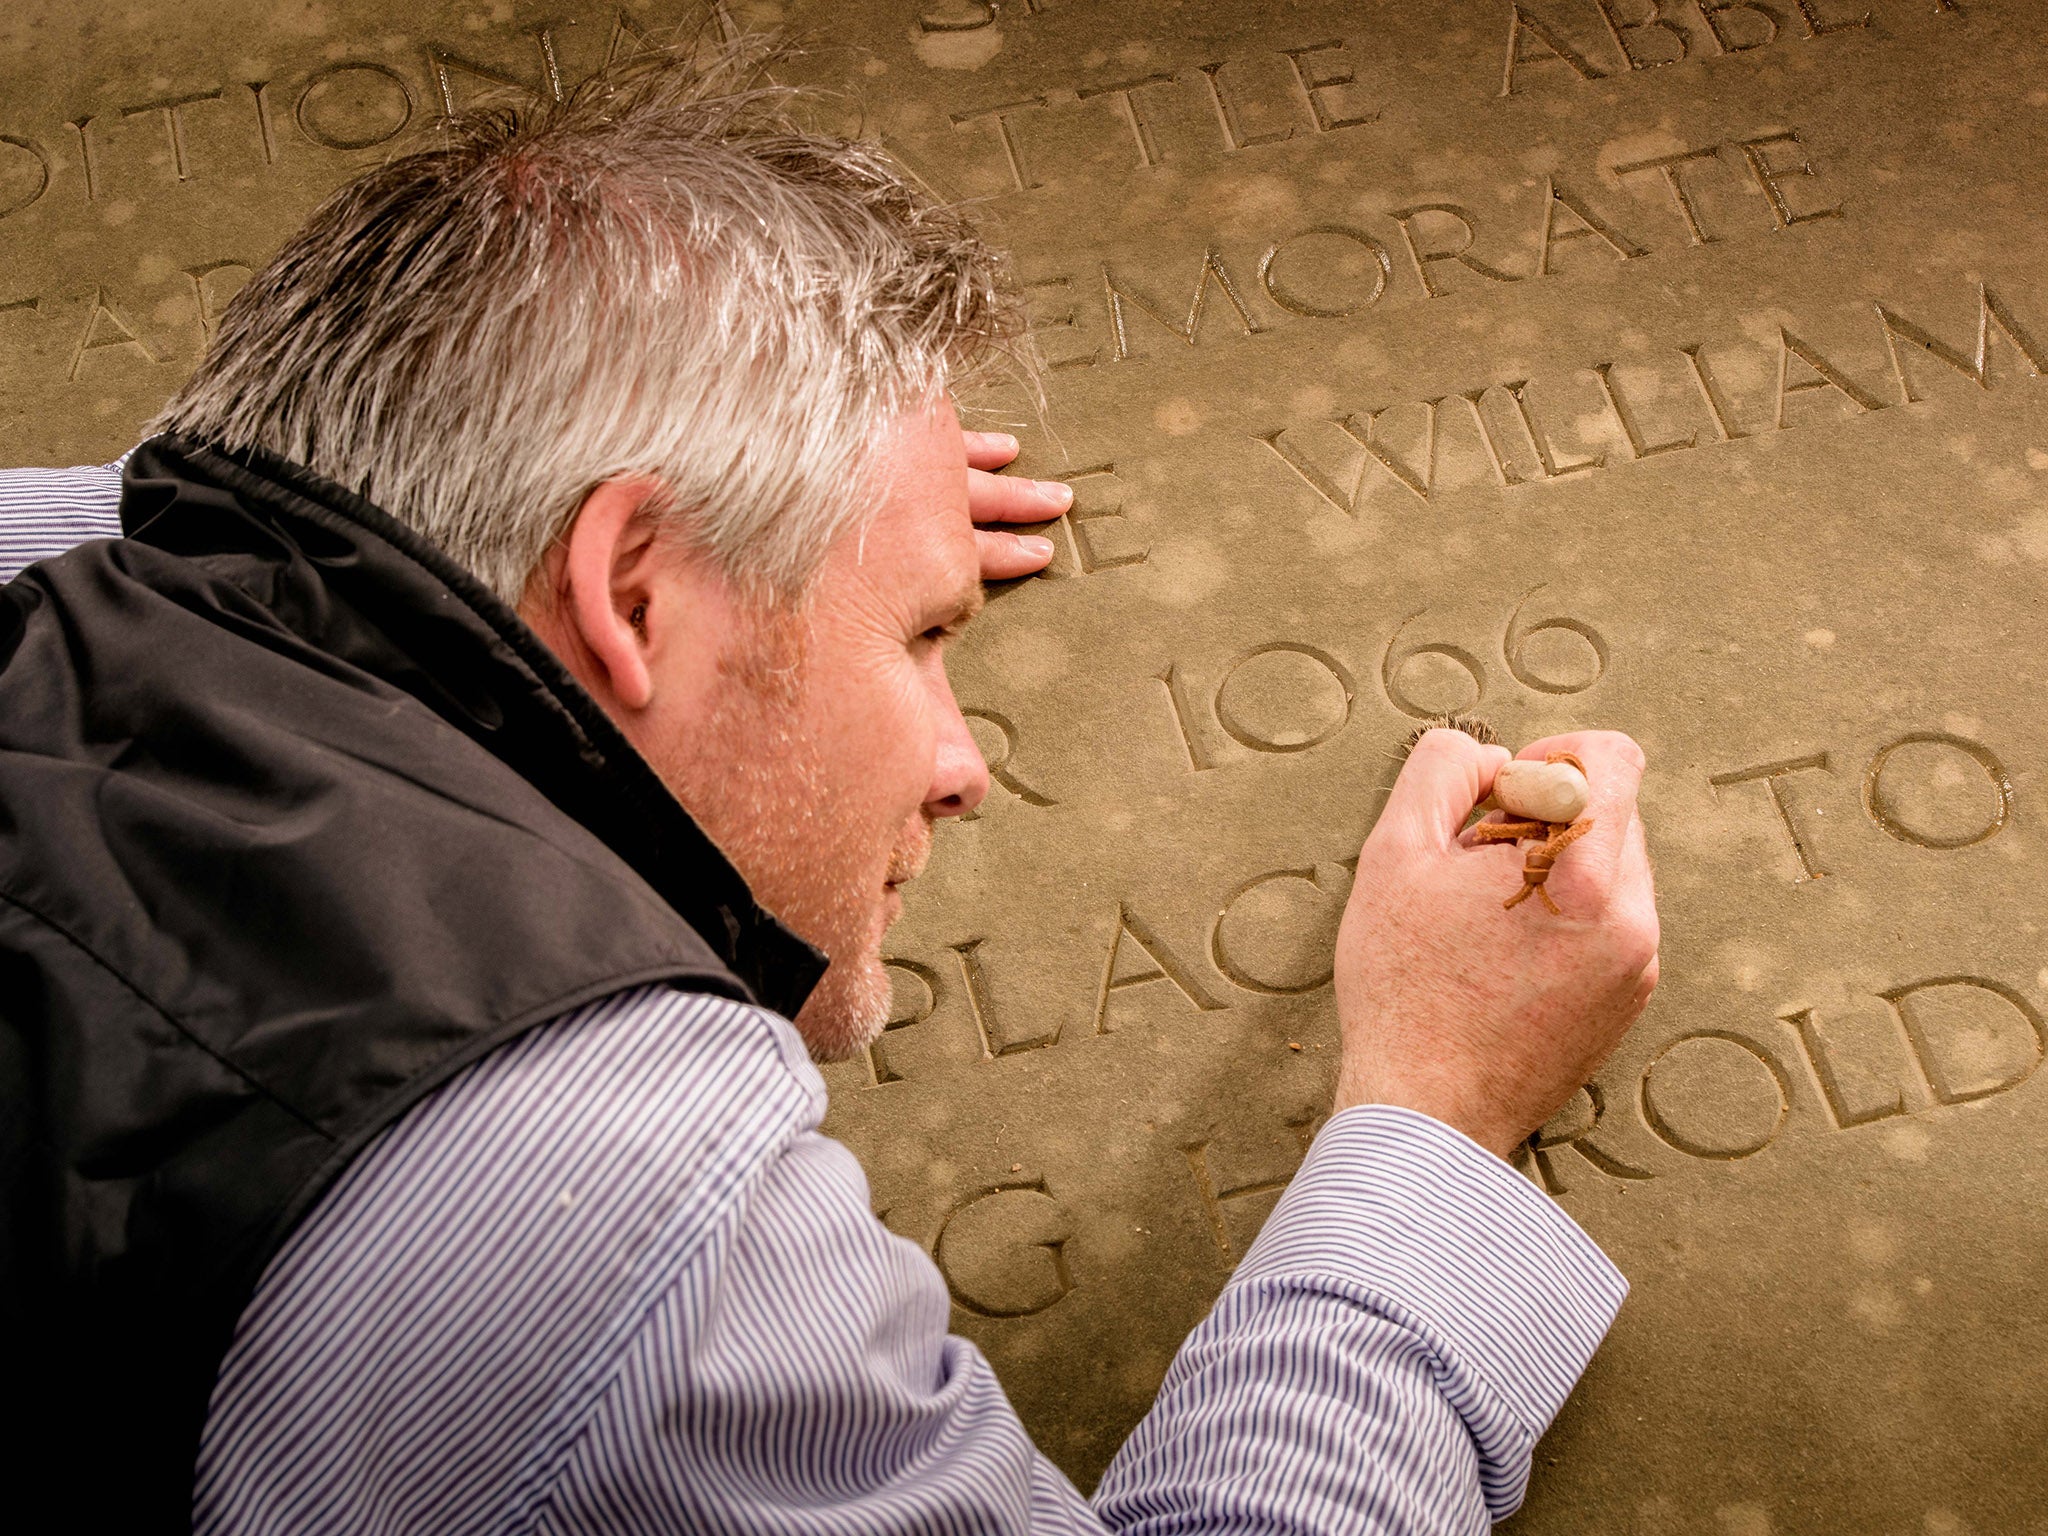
(504, 695)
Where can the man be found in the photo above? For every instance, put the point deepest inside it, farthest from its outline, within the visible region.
(545, 577)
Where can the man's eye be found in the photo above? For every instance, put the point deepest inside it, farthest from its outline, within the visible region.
(939, 634)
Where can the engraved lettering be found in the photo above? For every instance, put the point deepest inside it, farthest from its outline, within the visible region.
(1638, 446)
(1990, 311)
(1234, 136)
(1711, 12)
(1396, 658)
(981, 1246)
(1703, 380)
(440, 65)
(264, 134)
(1215, 1201)
(1825, 376)
(1571, 1130)
(629, 38)
(1176, 698)
(981, 1010)
(1212, 267)
(1956, 1047)
(1267, 734)
(1771, 775)
(1314, 86)
(1672, 168)
(1514, 646)
(1531, 40)
(82, 126)
(1834, 1087)
(39, 173)
(1768, 177)
(1125, 96)
(1300, 923)
(106, 327)
(1506, 476)
(358, 81)
(173, 109)
(1067, 319)
(1622, 31)
(205, 295)
(1703, 1095)
(923, 980)
(1809, 12)
(1347, 502)
(1896, 821)
(1420, 483)
(1088, 559)
(1460, 253)
(1382, 269)
(1591, 226)
(1158, 963)
(1546, 454)
(999, 761)
(551, 66)
(1006, 135)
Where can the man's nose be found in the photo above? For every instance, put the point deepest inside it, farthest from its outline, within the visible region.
(959, 773)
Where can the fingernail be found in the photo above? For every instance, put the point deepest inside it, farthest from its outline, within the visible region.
(1058, 492)
(1032, 544)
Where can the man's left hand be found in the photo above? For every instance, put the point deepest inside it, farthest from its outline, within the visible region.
(993, 498)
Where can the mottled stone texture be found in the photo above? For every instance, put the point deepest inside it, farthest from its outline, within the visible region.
(1666, 367)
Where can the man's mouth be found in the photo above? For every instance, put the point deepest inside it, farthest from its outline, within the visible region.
(906, 864)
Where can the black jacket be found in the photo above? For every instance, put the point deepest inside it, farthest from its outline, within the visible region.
(295, 821)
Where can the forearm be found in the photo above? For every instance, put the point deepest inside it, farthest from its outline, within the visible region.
(1386, 1357)
(44, 512)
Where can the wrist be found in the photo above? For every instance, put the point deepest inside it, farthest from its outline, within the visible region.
(1456, 1106)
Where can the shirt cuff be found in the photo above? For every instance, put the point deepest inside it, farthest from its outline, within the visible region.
(1402, 1214)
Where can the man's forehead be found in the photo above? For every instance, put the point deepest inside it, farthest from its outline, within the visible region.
(919, 538)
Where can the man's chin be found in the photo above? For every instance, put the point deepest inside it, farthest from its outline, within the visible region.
(847, 1010)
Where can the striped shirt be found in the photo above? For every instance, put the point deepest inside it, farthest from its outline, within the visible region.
(611, 1279)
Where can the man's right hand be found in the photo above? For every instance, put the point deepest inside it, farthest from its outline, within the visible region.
(1484, 1018)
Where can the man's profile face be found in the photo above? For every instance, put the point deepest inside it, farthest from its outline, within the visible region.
(831, 741)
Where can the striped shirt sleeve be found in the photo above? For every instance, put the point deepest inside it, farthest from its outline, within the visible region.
(612, 1279)
(1408, 1323)
(44, 512)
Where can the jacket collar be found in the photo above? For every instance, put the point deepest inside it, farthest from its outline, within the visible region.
(357, 584)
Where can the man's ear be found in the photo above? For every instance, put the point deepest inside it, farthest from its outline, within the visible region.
(608, 599)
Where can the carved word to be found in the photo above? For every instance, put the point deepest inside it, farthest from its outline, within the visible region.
(1333, 271)
(1954, 763)
(1286, 696)
(1375, 459)
(1646, 34)
(1723, 1095)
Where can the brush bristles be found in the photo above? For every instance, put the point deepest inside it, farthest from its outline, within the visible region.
(1471, 725)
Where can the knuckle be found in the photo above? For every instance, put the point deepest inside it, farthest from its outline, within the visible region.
(1625, 747)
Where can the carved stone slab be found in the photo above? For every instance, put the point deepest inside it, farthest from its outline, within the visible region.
(1665, 364)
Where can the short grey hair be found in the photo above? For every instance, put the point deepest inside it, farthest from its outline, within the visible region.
(663, 275)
